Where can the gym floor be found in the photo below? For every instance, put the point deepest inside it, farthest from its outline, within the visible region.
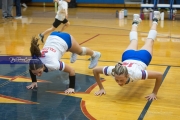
(100, 30)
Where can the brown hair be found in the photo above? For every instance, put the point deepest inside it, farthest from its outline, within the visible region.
(120, 69)
(35, 63)
(34, 49)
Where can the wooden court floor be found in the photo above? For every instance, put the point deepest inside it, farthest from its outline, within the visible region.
(100, 30)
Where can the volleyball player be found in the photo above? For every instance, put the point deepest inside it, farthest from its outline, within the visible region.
(61, 17)
(134, 61)
(48, 59)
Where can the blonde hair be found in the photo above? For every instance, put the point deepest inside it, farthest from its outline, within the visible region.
(120, 69)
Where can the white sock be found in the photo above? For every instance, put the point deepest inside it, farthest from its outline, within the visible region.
(135, 25)
(94, 54)
(155, 22)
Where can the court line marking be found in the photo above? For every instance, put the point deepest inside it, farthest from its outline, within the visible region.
(85, 111)
(17, 99)
(88, 39)
(117, 29)
(146, 107)
(13, 78)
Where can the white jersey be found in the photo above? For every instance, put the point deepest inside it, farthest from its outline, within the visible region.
(53, 50)
(62, 10)
(136, 70)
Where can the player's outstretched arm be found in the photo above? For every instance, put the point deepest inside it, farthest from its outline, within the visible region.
(34, 81)
(158, 76)
(71, 72)
(97, 71)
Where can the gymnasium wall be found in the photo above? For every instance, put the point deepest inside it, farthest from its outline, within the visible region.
(83, 3)
(98, 3)
(101, 1)
(89, 1)
(37, 1)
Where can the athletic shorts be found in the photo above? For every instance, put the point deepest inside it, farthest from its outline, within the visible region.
(58, 22)
(140, 55)
(65, 36)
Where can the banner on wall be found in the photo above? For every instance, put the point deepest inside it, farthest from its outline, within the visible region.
(15, 59)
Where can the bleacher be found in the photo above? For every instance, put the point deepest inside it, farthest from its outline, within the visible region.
(158, 4)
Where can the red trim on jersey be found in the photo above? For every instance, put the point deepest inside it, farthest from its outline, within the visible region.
(105, 71)
(61, 65)
(143, 74)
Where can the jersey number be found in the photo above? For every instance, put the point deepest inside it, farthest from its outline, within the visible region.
(43, 53)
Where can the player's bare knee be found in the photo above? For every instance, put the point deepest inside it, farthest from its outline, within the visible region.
(149, 42)
(67, 24)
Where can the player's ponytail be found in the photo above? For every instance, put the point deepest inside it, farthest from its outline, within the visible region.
(34, 49)
(120, 69)
(35, 63)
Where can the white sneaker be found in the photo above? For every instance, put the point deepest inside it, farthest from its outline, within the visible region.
(157, 15)
(24, 5)
(94, 60)
(150, 9)
(41, 37)
(145, 10)
(73, 57)
(136, 18)
(18, 17)
(175, 11)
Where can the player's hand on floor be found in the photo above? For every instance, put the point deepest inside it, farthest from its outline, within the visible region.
(33, 85)
(69, 91)
(100, 92)
(150, 97)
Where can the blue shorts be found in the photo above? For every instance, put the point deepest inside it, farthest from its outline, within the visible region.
(140, 55)
(65, 36)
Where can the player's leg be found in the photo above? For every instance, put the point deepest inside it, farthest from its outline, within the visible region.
(41, 35)
(66, 23)
(152, 33)
(77, 49)
(133, 34)
(54, 26)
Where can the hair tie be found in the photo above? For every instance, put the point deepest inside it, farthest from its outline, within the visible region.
(34, 57)
(35, 60)
(119, 63)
